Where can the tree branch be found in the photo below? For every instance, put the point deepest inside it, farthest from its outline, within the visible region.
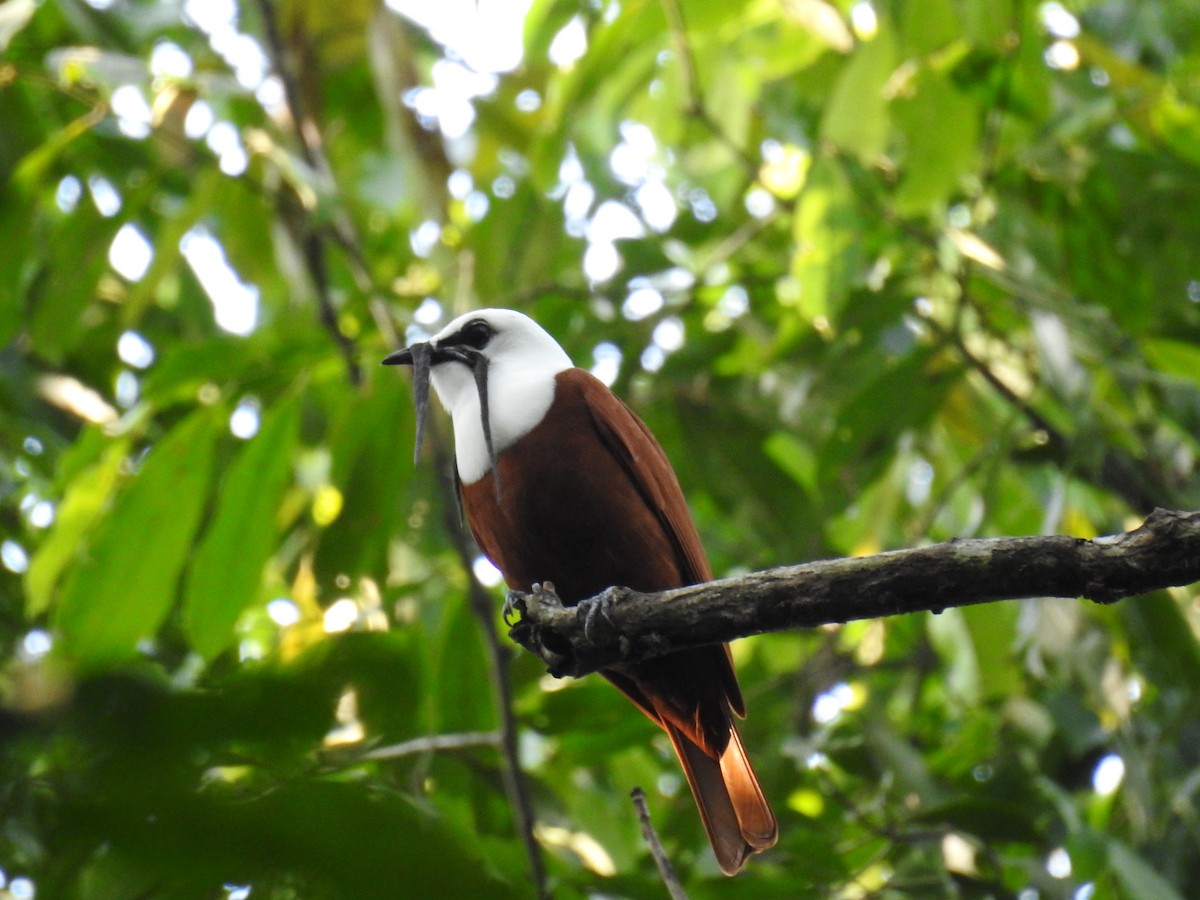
(310, 238)
(461, 741)
(624, 626)
(663, 862)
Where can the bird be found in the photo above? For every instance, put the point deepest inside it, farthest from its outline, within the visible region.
(561, 483)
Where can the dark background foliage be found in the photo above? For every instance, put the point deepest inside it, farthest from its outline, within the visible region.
(876, 273)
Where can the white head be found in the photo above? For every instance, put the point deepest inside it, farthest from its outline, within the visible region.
(519, 360)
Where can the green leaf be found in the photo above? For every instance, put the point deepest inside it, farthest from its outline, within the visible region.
(463, 702)
(1137, 876)
(334, 838)
(1176, 358)
(145, 746)
(81, 507)
(1162, 638)
(993, 631)
(122, 590)
(794, 457)
(901, 759)
(856, 118)
(227, 569)
(950, 636)
(995, 819)
(825, 231)
(1178, 124)
(927, 26)
(935, 157)
(74, 262)
(376, 478)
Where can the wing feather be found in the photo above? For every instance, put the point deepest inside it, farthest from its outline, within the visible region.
(633, 445)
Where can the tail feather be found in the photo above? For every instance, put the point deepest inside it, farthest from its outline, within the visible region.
(755, 818)
(732, 807)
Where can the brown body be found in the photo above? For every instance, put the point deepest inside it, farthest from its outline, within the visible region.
(589, 501)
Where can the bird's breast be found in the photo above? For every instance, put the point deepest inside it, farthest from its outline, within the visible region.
(516, 403)
(569, 512)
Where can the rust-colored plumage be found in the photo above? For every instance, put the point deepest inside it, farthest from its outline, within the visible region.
(590, 501)
(561, 482)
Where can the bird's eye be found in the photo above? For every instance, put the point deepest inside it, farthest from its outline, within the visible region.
(477, 334)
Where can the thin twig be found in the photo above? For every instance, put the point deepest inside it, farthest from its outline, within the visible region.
(433, 742)
(1116, 472)
(1036, 420)
(1128, 479)
(739, 239)
(665, 869)
(312, 239)
(693, 92)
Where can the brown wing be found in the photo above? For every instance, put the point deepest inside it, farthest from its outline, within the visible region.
(630, 441)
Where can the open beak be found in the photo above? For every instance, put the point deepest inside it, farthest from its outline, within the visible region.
(423, 356)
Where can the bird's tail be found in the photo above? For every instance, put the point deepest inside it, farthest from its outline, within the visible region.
(735, 813)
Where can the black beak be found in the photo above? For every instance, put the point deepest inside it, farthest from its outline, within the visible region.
(399, 358)
(423, 356)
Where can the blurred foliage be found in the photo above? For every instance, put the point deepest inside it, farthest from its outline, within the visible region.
(876, 273)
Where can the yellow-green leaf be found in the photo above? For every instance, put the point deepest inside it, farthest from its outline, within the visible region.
(124, 587)
(227, 569)
(856, 118)
(81, 507)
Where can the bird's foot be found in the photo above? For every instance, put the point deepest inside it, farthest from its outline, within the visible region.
(541, 613)
(540, 594)
(597, 608)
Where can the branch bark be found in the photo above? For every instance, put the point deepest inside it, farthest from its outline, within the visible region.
(623, 626)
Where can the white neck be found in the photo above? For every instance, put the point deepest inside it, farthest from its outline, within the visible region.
(523, 361)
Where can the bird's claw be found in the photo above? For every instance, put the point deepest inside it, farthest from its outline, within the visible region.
(599, 606)
(514, 605)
